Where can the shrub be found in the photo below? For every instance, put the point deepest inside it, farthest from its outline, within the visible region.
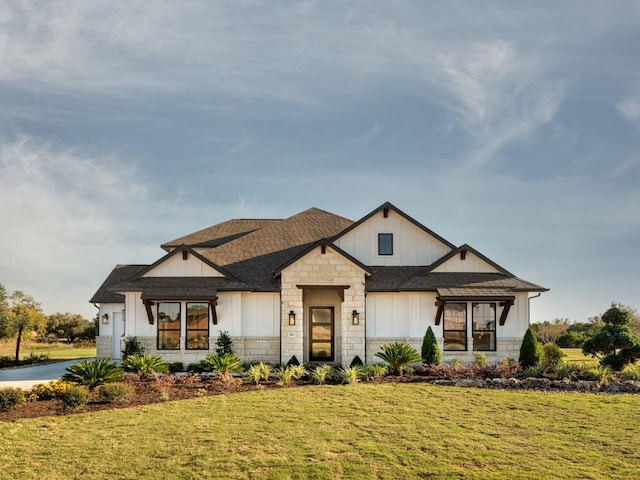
(529, 350)
(373, 371)
(284, 376)
(349, 375)
(298, 371)
(74, 396)
(632, 372)
(293, 361)
(430, 350)
(195, 367)
(145, 364)
(398, 356)
(92, 374)
(455, 363)
(224, 364)
(115, 392)
(480, 360)
(132, 346)
(11, 397)
(258, 372)
(176, 367)
(224, 344)
(567, 371)
(356, 362)
(48, 391)
(533, 371)
(320, 374)
(551, 355)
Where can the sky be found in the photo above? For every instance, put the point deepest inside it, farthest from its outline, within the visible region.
(511, 126)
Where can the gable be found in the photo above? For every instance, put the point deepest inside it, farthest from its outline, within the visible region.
(467, 262)
(412, 243)
(324, 265)
(182, 264)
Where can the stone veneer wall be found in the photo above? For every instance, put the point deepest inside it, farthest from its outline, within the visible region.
(103, 346)
(266, 349)
(505, 348)
(323, 270)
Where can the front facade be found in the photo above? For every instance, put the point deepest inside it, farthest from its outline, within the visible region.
(316, 286)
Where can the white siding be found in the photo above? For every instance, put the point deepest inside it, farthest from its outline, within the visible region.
(412, 246)
(472, 263)
(401, 315)
(175, 266)
(260, 314)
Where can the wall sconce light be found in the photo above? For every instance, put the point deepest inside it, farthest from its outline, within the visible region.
(355, 317)
(292, 317)
(105, 319)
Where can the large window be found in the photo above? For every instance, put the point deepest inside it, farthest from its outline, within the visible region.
(455, 326)
(484, 326)
(385, 244)
(197, 326)
(168, 326)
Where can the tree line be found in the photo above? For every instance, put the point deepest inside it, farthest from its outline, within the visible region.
(567, 334)
(21, 317)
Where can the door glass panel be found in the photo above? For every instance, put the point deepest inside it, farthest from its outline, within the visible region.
(321, 334)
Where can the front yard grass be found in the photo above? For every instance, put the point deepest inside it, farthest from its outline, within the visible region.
(575, 355)
(56, 351)
(357, 431)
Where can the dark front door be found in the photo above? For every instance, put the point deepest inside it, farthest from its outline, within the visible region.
(321, 334)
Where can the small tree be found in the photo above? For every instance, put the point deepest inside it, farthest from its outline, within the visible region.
(224, 343)
(430, 350)
(25, 316)
(614, 344)
(530, 352)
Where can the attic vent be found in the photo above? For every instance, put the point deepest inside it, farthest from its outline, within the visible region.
(385, 212)
(323, 249)
(185, 254)
(463, 254)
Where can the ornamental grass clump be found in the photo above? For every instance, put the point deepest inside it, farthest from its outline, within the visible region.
(284, 376)
(321, 373)
(349, 375)
(145, 364)
(398, 356)
(92, 374)
(373, 371)
(256, 373)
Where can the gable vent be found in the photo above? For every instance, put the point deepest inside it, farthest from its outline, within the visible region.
(385, 212)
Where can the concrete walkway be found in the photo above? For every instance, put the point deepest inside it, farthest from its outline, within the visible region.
(26, 377)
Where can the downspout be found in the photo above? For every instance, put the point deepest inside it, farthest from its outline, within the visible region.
(529, 307)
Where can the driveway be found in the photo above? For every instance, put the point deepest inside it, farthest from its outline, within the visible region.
(26, 377)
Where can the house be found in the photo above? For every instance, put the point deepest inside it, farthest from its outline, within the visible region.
(318, 286)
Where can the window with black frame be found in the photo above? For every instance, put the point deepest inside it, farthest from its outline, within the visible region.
(197, 326)
(385, 244)
(455, 327)
(168, 316)
(484, 327)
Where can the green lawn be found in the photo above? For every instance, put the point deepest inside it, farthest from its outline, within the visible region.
(56, 351)
(575, 355)
(358, 431)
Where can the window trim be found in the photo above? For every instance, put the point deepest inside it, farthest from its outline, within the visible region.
(445, 330)
(188, 330)
(380, 237)
(179, 329)
(484, 330)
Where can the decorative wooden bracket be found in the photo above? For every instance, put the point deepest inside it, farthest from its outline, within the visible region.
(505, 310)
(214, 314)
(440, 304)
(147, 306)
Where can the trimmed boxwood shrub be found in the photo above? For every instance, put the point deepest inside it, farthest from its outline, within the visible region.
(115, 392)
(74, 396)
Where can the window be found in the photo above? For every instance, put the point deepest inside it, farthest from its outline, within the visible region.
(168, 326)
(197, 326)
(385, 244)
(484, 326)
(455, 326)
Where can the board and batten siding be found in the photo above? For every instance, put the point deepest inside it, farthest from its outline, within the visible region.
(176, 266)
(472, 264)
(412, 246)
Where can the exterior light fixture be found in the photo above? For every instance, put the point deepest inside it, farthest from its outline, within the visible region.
(355, 317)
(105, 319)
(292, 317)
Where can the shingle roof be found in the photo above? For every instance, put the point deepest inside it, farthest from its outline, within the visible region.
(254, 257)
(184, 288)
(221, 233)
(118, 275)
(419, 279)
